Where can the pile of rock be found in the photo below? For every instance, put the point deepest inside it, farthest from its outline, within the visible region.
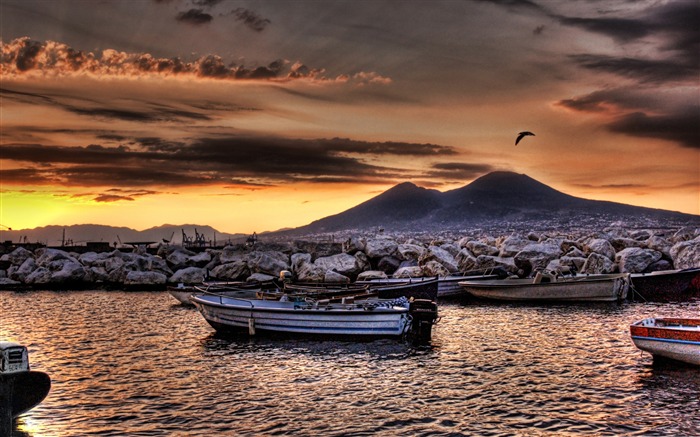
(608, 251)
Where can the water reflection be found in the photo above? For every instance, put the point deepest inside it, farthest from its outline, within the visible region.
(134, 363)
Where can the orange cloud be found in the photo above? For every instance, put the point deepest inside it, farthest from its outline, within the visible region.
(26, 57)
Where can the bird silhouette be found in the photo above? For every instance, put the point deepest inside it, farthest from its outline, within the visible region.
(521, 135)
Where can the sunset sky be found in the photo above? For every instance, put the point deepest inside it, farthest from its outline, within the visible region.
(259, 115)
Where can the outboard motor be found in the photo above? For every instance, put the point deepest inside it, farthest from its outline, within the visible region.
(424, 314)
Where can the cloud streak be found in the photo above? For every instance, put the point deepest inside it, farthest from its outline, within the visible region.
(231, 161)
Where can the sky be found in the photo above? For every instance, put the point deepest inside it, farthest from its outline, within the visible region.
(254, 116)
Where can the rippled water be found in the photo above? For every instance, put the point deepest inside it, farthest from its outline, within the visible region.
(139, 364)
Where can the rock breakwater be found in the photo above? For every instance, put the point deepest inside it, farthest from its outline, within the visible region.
(611, 250)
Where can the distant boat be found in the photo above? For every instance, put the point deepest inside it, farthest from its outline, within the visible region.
(666, 285)
(417, 288)
(369, 318)
(590, 288)
(22, 388)
(672, 338)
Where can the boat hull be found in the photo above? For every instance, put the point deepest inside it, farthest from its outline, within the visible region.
(26, 390)
(260, 317)
(667, 285)
(674, 339)
(594, 288)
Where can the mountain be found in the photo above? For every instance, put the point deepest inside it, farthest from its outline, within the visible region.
(399, 206)
(498, 201)
(503, 200)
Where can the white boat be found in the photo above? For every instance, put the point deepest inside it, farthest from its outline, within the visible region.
(673, 338)
(589, 288)
(365, 318)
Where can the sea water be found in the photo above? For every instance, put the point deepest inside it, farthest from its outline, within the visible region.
(140, 364)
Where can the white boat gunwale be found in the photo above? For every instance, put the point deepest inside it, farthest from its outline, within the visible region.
(274, 306)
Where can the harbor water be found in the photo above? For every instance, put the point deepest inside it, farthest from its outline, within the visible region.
(140, 364)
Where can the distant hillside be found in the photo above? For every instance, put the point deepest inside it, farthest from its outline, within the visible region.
(80, 234)
(503, 200)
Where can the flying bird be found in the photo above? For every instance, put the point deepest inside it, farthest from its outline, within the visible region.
(521, 135)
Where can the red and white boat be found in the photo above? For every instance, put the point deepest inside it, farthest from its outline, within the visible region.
(673, 338)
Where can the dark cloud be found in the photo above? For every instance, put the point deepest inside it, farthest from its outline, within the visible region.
(672, 38)
(194, 16)
(250, 19)
(459, 170)
(207, 3)
(643, 70)
(154, 113)
(107, 198)
(621, 29)
(638, 116)
(682, 127)
(251, 161)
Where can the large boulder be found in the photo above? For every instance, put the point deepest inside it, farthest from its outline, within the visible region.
(410, 251)
(17, 256)
(24, 270)
(388, 264)
(686, 254)
(268, 262)
(512, 245)
(93, 259)
(144, 278)
(48, 255)
(478, 248)
(335, 278)
(353, 245)
(376, 248)
(342, 263)
(371, 274)
(636, 259)
(659, 244)
(597, 263)
(442, 256)
(188, 275)
(466, 261)
(67, 272)
(409, 272)
(231, 271)
(485, 262)
(298, 260)
(536, 257)
(601, 247)
(179, 258)
(434, 268)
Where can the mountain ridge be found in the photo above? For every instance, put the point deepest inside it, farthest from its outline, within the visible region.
(499, 200)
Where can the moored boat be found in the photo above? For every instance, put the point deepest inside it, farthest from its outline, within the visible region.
(666, 285)
(367, 318)
(672, 338)
(21, 389)
(417, 288)
(589, 288)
